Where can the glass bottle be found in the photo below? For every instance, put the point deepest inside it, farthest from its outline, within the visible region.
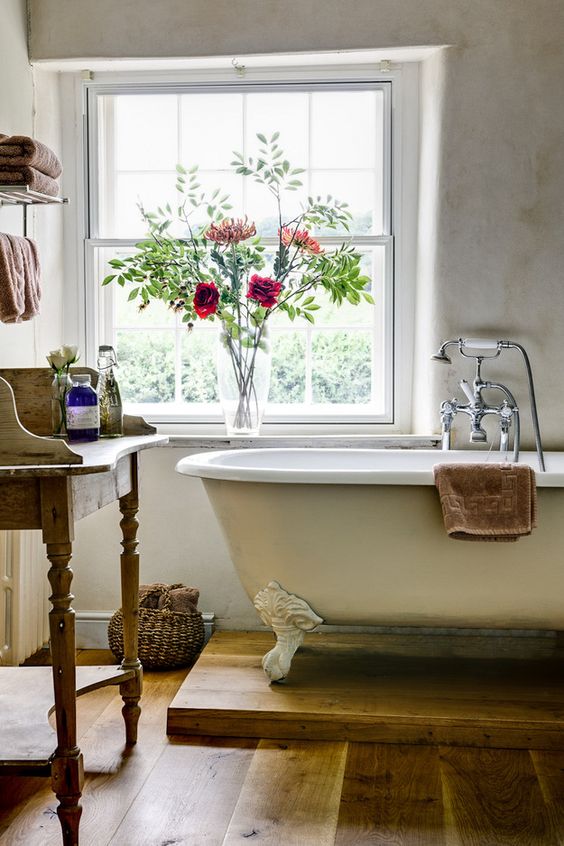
(109, 398)
(83, 413)
(60, 386)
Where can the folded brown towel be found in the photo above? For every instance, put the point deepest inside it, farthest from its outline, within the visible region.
(20, 279)
(19, 150)
(487, 502)
(34, 179)
(176, 597)
(183, 600)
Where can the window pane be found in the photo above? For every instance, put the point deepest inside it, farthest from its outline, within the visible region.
(341, 370)
(347, 313)
(343, 129)
(212, 127)
(151, 190)
(209, 181)
(199, 377)
(146, 131)
(288, 367)
(128, 314)
(283, 112)
(361, 193)
(262, 209)
(146, 365)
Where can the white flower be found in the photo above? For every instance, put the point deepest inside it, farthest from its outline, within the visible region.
(71, 353)
(63, 357)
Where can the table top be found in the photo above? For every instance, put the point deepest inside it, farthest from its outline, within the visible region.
(98, 457)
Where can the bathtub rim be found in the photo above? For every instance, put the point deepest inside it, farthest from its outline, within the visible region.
(208, 465)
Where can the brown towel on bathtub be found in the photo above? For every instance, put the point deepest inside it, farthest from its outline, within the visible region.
(487, 502)
(21, 151)
(34, 179)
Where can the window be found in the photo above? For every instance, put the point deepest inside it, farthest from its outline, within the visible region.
(341, 369)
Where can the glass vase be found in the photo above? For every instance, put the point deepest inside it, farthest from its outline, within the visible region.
(243, 376)
(60, 386)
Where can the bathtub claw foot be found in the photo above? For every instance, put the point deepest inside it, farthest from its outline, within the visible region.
(290, 618)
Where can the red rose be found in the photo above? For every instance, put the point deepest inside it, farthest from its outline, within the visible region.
(206, 299)
(264, 290)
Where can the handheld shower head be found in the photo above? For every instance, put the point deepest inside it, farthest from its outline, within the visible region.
(441, 356)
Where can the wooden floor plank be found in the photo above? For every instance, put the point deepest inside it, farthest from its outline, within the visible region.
(493, 798)
(391, 795)
(114, 773)
(549, 767)
(290, 796)
(221, 792)
(190, 794)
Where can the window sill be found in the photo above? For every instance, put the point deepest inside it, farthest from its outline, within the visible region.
(208, 441)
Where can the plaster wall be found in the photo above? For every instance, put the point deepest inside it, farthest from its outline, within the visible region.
(490, 246)
(492, 176)
(21, 89)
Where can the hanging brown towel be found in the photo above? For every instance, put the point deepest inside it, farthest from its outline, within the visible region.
(22, 151)
(34, 179)
(487, 502)
(11, 284)
(20, 279)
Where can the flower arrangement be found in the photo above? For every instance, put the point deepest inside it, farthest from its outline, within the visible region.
(60, 361)
(222, 269)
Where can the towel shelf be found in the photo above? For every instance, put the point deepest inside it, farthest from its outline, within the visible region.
(21, 195)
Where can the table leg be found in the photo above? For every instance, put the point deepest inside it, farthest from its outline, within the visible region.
(67, 774)
(130, 690)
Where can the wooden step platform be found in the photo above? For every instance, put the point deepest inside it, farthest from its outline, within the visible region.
(470, 691)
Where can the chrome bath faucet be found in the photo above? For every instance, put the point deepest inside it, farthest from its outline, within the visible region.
(476, 408)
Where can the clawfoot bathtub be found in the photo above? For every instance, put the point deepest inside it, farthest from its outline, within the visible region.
(355, 537)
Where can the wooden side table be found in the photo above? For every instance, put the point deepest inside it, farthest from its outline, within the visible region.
(52, 497)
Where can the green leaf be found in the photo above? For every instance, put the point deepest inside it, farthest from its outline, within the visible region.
(262, 138)
(181, 169)
(109, 279)
(132, 294)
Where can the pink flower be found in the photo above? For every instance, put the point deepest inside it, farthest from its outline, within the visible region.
(302, 239)
(206, 299)
(264, 290)
(230, 231)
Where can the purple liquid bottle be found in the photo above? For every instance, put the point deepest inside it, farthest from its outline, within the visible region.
(83, 414)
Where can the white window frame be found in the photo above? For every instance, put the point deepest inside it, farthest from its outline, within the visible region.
(84, 303)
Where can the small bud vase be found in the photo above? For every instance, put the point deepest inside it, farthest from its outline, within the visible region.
(60, 386)
(243, 376)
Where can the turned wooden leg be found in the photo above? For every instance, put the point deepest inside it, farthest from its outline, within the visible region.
(67, 775)
(290, 617)
(130, 690)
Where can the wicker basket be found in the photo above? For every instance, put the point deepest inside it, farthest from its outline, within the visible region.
(167, 639)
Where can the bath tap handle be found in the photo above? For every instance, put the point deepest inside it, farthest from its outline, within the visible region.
(468, 391)
(481, 343)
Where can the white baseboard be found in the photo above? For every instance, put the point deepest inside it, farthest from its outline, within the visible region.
(92, 628)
